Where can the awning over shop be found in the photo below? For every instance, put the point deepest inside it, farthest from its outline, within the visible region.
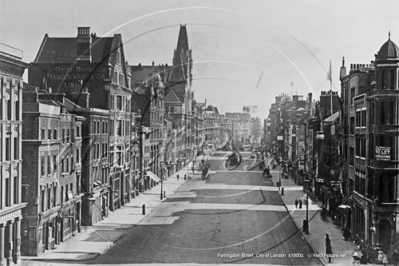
(359, 201)
(153, 176)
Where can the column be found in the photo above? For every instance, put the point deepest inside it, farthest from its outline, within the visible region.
(17, 252)
(2, 246)
(9, 242)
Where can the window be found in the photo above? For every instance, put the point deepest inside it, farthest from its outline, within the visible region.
(17, 110)
(78, 131)
(351, 155)
(55, 134)
(42, 166)
(67, 165)
(16, 190)
(77, 184)
(48, 198)
(118, 128)
(62, 166)
(62, 195)
(9, 108)
(391, 113)
(119, 102)
(54, 196)
(66, 193)
(63, 136)
(121, 80)
(43, 136)
(25, 193)
(48, 165)
(392, 79)
(383, 80)
(55, 163)
(72, 135)
(77, 156)
(49, 134)
(42, 200)
(16, 147)
(115, 79)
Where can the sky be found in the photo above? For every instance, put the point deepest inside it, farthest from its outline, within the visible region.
(245, 53)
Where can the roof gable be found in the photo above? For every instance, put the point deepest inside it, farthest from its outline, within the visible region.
(172, 97)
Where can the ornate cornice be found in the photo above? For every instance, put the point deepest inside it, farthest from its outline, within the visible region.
(12, 67)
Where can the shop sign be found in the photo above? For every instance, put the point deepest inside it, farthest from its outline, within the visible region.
(382, 153)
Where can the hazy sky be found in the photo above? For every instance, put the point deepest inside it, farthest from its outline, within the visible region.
(244, 52)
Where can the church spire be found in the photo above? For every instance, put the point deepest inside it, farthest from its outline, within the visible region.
(182, 42)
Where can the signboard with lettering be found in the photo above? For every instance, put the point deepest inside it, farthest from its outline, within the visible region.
(382, 153)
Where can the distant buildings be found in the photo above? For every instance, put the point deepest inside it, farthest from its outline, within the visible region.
(347, 148)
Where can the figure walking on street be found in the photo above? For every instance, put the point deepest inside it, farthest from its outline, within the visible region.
(328, 248)
(296, 203)
(395, 257)
(300, 204)
(385, 259)
(177, 177)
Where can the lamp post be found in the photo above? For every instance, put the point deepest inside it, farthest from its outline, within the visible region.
(306, 222)
(280, 138)
(162, 168)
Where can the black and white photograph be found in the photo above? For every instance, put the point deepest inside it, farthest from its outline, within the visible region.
(199, 132)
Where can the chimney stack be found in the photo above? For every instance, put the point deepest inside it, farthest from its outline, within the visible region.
(83, 44)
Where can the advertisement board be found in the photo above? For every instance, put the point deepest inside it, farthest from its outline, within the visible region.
(382, 153)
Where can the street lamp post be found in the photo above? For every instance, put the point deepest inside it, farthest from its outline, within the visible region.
(306, 222)
(162, 164)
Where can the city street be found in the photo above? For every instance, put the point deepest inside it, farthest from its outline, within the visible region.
(235, 216)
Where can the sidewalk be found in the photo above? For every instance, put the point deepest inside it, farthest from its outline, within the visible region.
(319, 224)
(97, 239)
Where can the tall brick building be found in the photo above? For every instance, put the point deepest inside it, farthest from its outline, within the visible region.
(51, 166)
(98, 65)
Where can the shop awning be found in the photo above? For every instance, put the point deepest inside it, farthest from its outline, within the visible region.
(153, 176)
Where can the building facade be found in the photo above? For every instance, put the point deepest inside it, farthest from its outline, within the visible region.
(11, 204)
(97, 64)
(52, 146)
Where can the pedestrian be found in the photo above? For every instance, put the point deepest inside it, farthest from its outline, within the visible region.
(296, 203)
(177, 177)
(380, 256)
(328, 248)
(395, 257)
(300, 204)
(385, 259)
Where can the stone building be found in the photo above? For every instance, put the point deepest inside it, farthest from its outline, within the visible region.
(11, 205)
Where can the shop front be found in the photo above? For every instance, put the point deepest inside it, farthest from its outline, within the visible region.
(10, 237)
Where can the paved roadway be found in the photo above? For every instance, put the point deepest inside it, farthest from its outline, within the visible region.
(236, 216)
